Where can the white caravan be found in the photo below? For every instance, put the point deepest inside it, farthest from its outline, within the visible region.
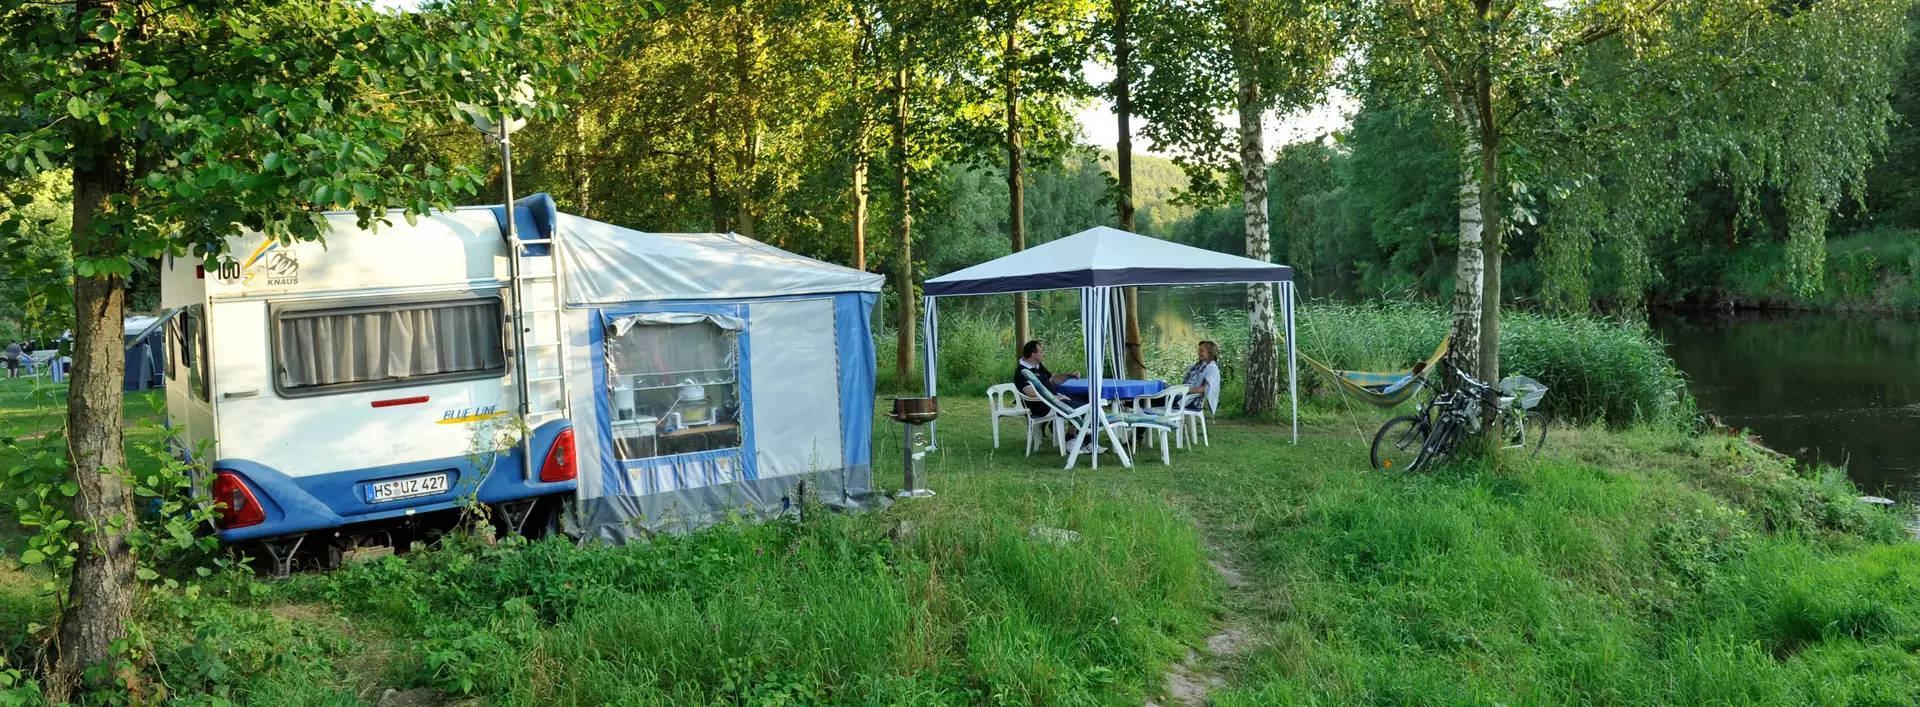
(342, 390)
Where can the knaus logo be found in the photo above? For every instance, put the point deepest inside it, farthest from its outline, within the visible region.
(282, 268)
(269, 265)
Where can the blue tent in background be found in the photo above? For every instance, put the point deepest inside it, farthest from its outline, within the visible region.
(146, 353)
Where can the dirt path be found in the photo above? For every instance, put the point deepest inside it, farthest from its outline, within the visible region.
(1188, 681)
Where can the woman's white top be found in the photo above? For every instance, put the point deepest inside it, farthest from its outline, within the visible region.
(1206, 372)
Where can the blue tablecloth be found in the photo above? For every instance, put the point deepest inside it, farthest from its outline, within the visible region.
(1112, 388)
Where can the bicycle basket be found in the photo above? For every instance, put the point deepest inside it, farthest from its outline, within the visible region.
(1526, 391)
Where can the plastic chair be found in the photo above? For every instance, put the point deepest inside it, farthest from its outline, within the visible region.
(1051, 420)
(1003, 400)
(1166, 406)
(1194, 412)
(1082, 419)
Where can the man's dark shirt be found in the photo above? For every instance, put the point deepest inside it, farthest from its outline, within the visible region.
(1035, 409)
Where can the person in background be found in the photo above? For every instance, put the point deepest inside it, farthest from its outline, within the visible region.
(13, 359)
(1203, 379)
(1033, 358)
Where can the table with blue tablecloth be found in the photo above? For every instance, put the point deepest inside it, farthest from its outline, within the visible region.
(1111, 388)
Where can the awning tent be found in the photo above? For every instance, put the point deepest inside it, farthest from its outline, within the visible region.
(712, 374)
(1096, 261)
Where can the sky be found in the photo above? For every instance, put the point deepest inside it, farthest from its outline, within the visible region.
(1101, 128)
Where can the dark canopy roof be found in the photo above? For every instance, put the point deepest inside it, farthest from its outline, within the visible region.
(1105, 257)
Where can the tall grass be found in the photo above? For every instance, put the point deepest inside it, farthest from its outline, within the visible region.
(967, 608)
(1597, 370)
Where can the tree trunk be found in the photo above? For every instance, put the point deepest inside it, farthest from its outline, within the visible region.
(860, 200)
(715, 202)
(903, 231)
(749, 163)
(746, 60)
(1123, 163)
(582, 173)
(1016, 182)
(1263, 360)
(1489, 176)
(1469, 269)
(100, 601)
(862, 138)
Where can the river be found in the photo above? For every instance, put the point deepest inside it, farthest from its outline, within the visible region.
(1840, 389)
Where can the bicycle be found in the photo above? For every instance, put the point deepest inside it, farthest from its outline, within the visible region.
(1432, 434)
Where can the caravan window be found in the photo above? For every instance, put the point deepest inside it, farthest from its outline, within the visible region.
(354, 348)
(674, 384)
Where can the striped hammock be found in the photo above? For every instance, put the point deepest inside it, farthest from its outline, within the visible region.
(1381, 389)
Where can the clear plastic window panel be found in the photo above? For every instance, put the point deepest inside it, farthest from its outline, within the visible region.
(675, 389)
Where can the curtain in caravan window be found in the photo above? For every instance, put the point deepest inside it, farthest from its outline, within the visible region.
(401, 343)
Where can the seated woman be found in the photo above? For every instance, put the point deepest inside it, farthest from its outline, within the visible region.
(1203, 380)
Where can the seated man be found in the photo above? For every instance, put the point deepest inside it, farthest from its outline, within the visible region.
(1032, 356)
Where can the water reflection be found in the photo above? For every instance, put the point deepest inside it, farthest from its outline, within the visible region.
(1844, 390)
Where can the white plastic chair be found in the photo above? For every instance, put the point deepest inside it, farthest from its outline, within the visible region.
(1004, 401)
(1194, 411)
(1051, 421)
(1074, 421)
(1161, 413)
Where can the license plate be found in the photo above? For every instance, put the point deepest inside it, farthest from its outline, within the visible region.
(406, 488)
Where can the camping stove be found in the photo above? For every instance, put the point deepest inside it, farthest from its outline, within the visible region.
(914, 414)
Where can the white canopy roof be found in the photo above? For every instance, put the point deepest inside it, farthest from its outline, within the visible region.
(608, 264)
(1105, 257)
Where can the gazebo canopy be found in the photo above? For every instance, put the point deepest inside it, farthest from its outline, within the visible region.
(1104, 257)
(1095, 261)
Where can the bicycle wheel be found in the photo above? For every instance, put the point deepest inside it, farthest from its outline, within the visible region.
(1440, 444)
(1397, 444)
(1532, 434)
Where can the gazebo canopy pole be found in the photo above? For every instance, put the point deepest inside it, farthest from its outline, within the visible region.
(930, 335)
(1094, 329)
(1293, 388)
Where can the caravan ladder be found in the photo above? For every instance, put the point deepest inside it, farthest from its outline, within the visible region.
(540, 335)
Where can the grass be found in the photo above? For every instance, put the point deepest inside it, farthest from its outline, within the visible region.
(1633, 566)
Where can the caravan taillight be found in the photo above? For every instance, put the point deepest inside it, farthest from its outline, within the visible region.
(241, 508)
(559, 465)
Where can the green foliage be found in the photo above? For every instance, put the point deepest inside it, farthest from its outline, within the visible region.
(319, 129)
(1873, 270)
(36, 299)
(1893, 183)
(1195, 59)
(165, 535)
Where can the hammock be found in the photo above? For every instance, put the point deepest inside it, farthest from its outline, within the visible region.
(1381, 389)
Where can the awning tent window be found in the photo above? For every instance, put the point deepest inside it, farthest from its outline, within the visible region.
(674, 384)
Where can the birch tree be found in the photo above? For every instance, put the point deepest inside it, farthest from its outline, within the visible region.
(1252, 57)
